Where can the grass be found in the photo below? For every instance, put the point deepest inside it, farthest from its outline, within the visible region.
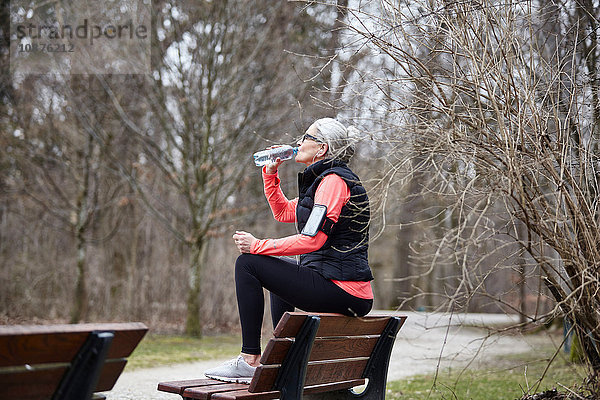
(158, 350)
(507, 378)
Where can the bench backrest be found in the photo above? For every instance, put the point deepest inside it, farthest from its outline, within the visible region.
(340, 353)
(34, 358)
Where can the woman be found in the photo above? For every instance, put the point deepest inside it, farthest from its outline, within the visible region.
(332, 217)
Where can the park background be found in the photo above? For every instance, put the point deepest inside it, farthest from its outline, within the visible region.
(119, 193)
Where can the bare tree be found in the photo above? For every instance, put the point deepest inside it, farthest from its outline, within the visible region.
(60, 151)
(500, 102)
(224, 83)
(221, 84)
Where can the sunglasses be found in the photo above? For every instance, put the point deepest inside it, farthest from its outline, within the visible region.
(311, 137)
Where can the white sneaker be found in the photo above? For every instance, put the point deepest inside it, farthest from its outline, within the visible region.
(236, 370)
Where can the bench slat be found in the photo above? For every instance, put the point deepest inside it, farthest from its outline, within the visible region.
(41, 383)
(111, 371)
(205, 392)
(321, 372)
(7, 330)
(246, 395)
(178, 387)
(30, 384)
(328, 387)
(323, 348)
(33, 344)
(331, 325)
(317, 373)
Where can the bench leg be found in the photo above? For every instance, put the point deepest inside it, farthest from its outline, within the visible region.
(290, 380)
(82, 376)
(375, 371)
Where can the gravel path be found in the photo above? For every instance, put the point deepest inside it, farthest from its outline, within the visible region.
(420, 342)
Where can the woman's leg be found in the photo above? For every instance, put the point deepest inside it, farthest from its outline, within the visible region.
(278, 308)
(297, 286)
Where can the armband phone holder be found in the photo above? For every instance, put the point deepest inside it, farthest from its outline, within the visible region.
(315, 220)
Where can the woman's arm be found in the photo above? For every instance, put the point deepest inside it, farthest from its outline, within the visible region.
(289, 245)
(333, 193)
(284, 210)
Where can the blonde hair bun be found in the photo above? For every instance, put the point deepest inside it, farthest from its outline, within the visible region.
(340, 140)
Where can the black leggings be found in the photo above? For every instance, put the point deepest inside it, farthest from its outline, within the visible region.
(291, 285)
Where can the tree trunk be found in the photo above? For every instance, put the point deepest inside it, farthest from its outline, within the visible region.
(132, 266)
(193, 325)
(522, 235)
(80, 301)
(403, 270)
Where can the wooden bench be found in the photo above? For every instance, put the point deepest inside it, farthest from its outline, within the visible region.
(64, 361)
(311, 355)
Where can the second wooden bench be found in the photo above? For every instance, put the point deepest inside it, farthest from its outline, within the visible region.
(64, 362)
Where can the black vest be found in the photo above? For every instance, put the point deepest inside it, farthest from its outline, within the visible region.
(344, 255)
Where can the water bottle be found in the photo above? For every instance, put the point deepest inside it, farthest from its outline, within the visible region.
(265, 157)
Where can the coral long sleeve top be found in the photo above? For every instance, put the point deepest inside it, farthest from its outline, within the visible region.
(333, 193)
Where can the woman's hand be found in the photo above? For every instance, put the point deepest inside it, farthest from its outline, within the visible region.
(271, 168)
(243, 241)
